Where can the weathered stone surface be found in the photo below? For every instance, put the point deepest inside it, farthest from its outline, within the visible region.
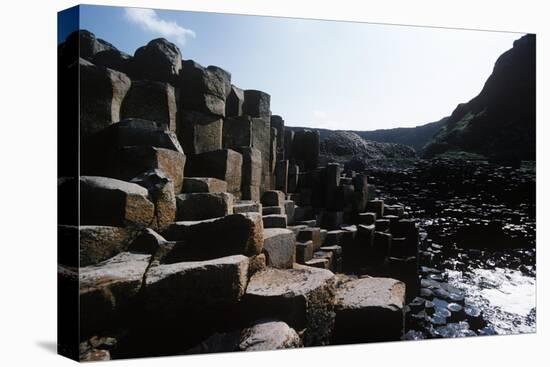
(269, 335)
(251, 173)
(102, 91)
(293, 174)
(256, 263)
(246, 131)
(274, 221)
(107, 290)
(148, 242)
(106, 201)
(377, 207)
(250, 193)
(204, 89)
(161, 192)
(159, 60)
(273, 198)
(199, 132)
(281, 176)
(100, 149)
(135, 160)
(305, 148)
(98, 243)
(366, 218)
(361, 193)
(234, 102)
(289, 211)
(302, 297)
(149, 100)
(112, 59)
(256, 103)
(278, 123)
(332, 220)
(213, 238)
(319, 263)
(369, 309)
(85, 44)
(310, 234)
(203, 184)
(268, 210)
(304, 251)
(225, 164)
(201, 206)
(279, 246)
(170, 289)
(247, 206)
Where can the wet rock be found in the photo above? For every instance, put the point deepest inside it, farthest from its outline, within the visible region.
(474, 316)
(413, 335)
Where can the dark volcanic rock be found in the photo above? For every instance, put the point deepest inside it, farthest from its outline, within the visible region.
(342, 146)
(159, 60)
(499, 122)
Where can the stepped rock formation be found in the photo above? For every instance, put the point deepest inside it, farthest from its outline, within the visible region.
(500, 121)
(201, 215)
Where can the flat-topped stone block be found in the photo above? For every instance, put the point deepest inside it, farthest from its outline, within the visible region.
(280, 248)
(199, 206)
(274, 221)
(213, 238)
(368, 310)
(203, 184)
(273, 198)
(302, 297)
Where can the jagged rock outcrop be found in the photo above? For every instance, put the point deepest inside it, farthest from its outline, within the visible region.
(341, 146)
(500, 121)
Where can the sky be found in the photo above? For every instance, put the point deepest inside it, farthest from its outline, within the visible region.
(324, 74)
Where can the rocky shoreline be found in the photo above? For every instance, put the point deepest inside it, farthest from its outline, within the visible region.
(204, 225)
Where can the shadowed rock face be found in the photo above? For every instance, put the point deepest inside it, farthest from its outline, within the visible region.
(500, 122)
(341, 146)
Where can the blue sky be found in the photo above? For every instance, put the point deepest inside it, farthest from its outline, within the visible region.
(337, 75)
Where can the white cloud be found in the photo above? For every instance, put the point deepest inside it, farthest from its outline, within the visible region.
(149, 20)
